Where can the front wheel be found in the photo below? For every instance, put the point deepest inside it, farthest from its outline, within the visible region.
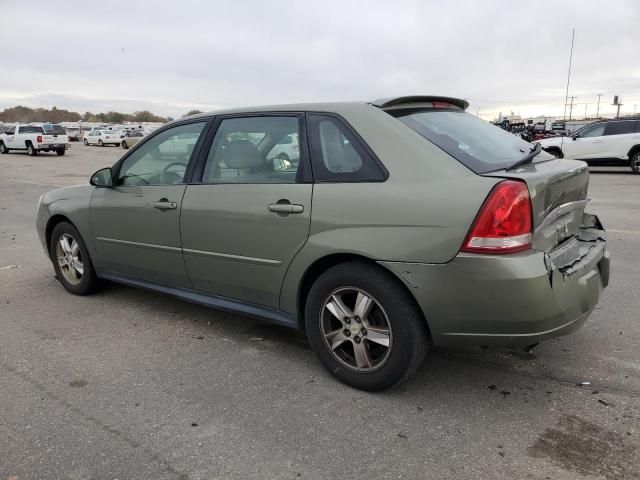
(364, 326)
(3, 148)
(124, 145)
(71, 260)
(100, 143)
(634, 163)
(86, 142)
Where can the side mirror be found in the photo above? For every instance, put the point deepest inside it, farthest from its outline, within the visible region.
(102, 178)
(573, 137)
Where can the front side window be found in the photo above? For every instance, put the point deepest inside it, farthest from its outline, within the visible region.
(620, 128)
(338, 155)
(10, 131)
(253, 150)
(592, 131)
(163, 159)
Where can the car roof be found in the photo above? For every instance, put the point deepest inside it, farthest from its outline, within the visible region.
(338, 107)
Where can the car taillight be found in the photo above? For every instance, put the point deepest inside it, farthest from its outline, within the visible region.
(39, 139)
(503, 224)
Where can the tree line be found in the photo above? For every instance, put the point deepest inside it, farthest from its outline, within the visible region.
(24, 114)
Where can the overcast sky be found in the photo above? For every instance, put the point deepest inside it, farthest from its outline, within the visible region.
(172, 56)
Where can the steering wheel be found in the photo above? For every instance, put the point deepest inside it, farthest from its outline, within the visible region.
(164, 175)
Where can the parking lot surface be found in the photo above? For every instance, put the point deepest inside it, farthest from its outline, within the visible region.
(128, 384)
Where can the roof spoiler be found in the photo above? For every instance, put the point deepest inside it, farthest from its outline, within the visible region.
(398, 101)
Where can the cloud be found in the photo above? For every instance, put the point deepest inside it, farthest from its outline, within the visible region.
(170, 57)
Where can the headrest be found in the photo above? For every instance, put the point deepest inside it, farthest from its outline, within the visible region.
(242, 154)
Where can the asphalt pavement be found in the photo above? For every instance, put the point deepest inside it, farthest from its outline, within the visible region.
(128, 384)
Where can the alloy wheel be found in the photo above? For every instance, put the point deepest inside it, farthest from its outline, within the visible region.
(70, 259)
(356, 329)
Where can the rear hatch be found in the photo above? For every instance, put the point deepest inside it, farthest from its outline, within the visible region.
(557, 187)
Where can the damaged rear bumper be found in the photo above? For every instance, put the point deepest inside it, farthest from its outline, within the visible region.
(517, 299)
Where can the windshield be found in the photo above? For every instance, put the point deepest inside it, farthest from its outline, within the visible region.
(477, 144)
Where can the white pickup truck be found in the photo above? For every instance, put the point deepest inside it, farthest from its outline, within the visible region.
(34, 139)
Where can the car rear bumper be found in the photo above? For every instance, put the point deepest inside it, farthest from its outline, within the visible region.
(517, 299)
(53, 146)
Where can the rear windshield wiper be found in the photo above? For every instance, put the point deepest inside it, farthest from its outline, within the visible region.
(528, 158)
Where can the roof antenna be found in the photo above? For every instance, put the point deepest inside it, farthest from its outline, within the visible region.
(566, 95)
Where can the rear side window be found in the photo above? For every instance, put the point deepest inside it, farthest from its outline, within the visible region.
(477, 144)
(620, 128)
(339, 155)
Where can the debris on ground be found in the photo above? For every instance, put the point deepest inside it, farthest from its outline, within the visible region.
(9, 267)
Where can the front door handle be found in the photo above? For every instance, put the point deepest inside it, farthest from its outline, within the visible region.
(165, 204)
(286, 208)
(597, 141)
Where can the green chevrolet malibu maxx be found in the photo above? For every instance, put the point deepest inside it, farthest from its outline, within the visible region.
(380, 228)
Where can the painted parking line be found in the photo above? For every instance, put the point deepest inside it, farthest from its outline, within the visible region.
(632, 232)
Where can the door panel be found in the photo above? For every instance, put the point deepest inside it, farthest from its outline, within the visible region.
(136, 224)
(235, 246)
(136, 238)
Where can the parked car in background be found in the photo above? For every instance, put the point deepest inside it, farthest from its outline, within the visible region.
(35, 139)
(287, 148)
(73, 133)
(429, 227)
(102, 138)
(131, 138)
(606, 141)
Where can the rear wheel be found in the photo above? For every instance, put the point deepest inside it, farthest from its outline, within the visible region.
(31, 150)
(86, 142)
(3, 148)
(634, 163)
(100, 143)
(365, 328)
(71, 260)
(124, 145)
(61, 151)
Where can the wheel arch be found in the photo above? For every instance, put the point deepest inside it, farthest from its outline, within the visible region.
(633, 150)
(322, 264)
(51, 224)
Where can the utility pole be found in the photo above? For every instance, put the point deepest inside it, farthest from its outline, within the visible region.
(634, 109)
(478, 112)
(598, 109)
(571, 106)
(566, 95)
(585, 110)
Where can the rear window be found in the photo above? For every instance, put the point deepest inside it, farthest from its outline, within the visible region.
(54, 130)
(477, 144)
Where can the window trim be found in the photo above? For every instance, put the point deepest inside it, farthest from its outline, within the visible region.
(361, 144)
(304, 173)
(192, 160)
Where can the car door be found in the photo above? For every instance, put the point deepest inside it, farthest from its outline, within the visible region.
(135, 224)
(10, 137)
(619, 138)
(588, 143)
(249, 215)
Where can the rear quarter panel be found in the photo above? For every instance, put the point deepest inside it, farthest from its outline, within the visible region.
(421, 213)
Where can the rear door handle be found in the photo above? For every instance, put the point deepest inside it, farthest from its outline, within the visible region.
(165, 204)
(597, 141)
(286, 208)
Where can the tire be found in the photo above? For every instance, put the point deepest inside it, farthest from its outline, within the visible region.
(634, 163)
(81, 282)
(3, 148)
(85, 141)
(394, 318)
(283, 156)
(61, 151)
(31, 151)
(124, 145)
(100, 143)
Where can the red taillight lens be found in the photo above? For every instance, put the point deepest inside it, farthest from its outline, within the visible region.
(38, 139)
(504, 222)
